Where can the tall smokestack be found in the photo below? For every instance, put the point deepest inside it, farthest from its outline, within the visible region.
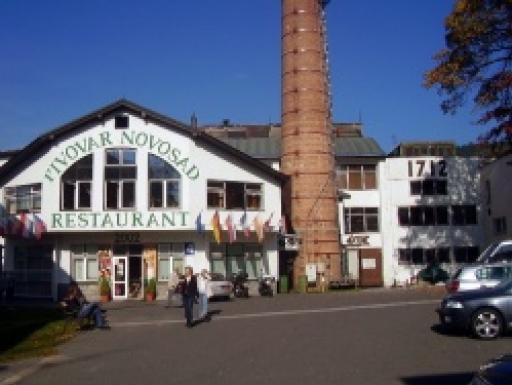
(307, 136)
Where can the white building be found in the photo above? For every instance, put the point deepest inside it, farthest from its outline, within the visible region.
(120, 191)
(430, 209)
(496, 178)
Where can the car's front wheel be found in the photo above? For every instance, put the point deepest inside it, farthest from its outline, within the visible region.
(487, 324)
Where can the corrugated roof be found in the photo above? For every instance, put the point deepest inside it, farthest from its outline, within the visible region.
(270, 148)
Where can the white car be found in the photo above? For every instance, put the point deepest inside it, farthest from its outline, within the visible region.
(479, 276)
(497, 252)
(219, 286)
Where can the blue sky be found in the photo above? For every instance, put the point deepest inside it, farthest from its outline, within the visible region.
(220, 59)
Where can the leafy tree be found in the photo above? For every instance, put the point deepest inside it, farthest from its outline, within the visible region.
(477, 63)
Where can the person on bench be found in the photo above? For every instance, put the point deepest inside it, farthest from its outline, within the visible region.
(75, 302)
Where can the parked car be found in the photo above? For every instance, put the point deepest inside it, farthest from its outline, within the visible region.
(220, 287)
(479, 276)
(495, 372)
(497, 252)
(487, 313)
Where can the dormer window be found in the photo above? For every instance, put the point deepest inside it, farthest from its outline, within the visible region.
(122, 122)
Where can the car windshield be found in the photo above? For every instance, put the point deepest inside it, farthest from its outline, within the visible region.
(486, 254)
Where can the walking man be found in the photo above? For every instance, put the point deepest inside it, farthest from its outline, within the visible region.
(190, 294)
(203, 288)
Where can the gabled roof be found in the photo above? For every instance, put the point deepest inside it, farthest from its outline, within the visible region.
(124, 105)
(270, 148)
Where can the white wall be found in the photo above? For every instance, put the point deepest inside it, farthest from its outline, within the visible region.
(499, 176)
(210, 163)
(462, 175)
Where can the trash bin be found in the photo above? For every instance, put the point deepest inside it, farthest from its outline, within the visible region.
(302, 284)
(283, 284)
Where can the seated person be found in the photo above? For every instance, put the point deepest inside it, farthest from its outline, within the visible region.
(75, 301)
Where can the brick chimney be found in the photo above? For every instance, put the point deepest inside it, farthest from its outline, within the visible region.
(307, 136)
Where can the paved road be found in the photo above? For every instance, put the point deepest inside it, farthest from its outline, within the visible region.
(377, 337)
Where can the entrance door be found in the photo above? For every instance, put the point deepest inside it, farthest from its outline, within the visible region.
(370, 267)
(120, 281)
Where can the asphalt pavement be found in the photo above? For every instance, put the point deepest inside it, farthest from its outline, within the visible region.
(383, 337)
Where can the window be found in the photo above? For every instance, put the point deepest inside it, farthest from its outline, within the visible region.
(429, 187)
(464, 215)
(84, 262)
(497, 273)
(420, 256)
(164, 184)
(443, 255)
(442, 215)
(120, 178)
(361, 219)
(229, 259)
(170, 258)
(121, 121)
(234, 195)
(403, 216)
(23, 199)
(465, 254)
(504, 254)
(423, 215)
(357, 177)
(76, 185)
(500, 225)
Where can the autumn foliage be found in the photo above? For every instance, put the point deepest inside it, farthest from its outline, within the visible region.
(476, 63)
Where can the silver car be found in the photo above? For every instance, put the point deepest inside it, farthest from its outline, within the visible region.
(479, 276)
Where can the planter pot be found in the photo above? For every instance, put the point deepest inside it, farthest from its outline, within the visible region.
(150, 297)
(105, 298)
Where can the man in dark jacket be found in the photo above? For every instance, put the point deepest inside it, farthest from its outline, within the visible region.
(190, 294)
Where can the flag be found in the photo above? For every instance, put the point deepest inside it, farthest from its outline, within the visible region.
(282, 225)
(27, 227)
(216, 226)
(20, 224)
(258, 227)
(39, 227)
(245, 225)
(231, 229)
(266, 226)
(199, 225)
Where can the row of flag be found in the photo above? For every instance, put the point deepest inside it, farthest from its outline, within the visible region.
(24, 225)
(260, 226)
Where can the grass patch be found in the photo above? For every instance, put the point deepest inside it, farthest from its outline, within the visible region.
(27, 332)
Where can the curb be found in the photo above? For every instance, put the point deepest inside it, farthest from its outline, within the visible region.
(23, 373)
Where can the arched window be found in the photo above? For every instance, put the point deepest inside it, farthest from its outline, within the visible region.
(76, 185)
(164, 184)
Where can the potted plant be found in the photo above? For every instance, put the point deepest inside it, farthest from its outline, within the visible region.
(151, 290)
(104, 289)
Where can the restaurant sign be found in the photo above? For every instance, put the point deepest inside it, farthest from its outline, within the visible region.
(118, 220)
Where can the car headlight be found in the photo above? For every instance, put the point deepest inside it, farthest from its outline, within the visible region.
(454, 305)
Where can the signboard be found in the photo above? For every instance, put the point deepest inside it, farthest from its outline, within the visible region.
(118, 220)
(289, 242)
(311, 272)
(369, 263)
(358, 240)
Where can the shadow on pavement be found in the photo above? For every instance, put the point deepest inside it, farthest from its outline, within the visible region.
(3, 367)
(439, 379)
(444, 331)
(208, 318)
